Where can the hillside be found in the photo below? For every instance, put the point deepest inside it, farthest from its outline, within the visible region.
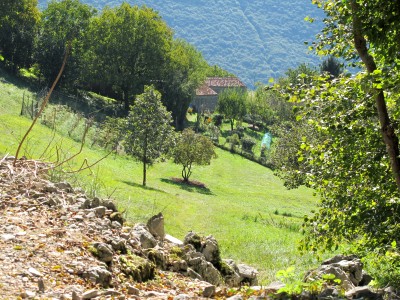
(254, 39)
(268, 215)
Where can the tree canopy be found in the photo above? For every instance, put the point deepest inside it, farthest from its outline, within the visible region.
(148, 133)
(18, 26)
(353, 160)
(184, 72)
(232, 104)
(192, 148)
(127, 48)
(63, 25)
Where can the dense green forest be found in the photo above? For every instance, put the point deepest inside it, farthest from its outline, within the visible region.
(254, 39)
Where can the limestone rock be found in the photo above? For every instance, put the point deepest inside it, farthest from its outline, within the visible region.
(248, 274)
(98, 275)
(100, 211)
(274, 287)
(230, 273)
(156, 226)
(363, 292)
(193, 239)
(147, 240)
(133, 291)
(158, 256)
(118, 244)
(92, 294)
(117, 216)
(211, 251)
(138, 268)
(206, 270)
(209, 291)
(109, 205)
(346, 268)
(173, 240)
(102, 251)
(193, 274)
(64, 186)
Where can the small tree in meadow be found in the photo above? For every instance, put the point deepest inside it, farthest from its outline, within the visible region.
(193, 148)
(149, 134)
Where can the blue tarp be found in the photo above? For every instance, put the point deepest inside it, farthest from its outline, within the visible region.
(266, 141)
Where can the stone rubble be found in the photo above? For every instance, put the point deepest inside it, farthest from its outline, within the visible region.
(57, 243)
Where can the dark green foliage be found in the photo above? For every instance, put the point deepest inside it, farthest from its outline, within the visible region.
(18, 27)
(248, 144)
(331, 65)
(63, 25)
(217, 119)
(148, 133)
(254, 39)
(347, 164)
(126, 48)
(182, 75)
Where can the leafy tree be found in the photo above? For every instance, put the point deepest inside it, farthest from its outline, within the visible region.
(355, 164)
(192, 148)
(257, 108)
(232, 104)
(18, 28)
(217, 71)
(183, 74)
(148, 133)
(63, 24)
(369, 30)
(127, 48)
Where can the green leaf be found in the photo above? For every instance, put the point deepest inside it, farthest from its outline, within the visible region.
(394, 244)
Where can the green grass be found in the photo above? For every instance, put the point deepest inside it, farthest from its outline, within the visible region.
(238, 206)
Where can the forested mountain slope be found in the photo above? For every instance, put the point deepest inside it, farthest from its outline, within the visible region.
(254, 39)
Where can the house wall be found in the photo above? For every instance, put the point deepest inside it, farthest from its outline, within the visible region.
(204, 103)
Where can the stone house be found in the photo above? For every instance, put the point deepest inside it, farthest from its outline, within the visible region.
(207, 94)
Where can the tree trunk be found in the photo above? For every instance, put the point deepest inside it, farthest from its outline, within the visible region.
(389, 136)
(145, 161)
(232, 123)
(144, 172)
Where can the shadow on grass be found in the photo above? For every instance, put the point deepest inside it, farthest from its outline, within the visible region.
(190, 187)
(136, 185)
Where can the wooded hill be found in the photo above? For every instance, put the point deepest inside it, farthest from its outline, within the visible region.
(254, 39)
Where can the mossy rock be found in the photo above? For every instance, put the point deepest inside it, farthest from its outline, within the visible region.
(138, 268)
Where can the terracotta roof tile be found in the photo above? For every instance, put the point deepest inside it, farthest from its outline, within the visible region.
(205, 90)
(224, 82)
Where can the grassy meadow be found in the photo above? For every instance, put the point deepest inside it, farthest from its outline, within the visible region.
(249, 211)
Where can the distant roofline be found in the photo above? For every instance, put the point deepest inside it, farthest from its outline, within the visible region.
(224, 82)
(205, 90)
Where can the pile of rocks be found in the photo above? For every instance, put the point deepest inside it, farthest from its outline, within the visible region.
(55, 242)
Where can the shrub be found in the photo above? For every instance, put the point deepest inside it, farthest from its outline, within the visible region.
(239, 131)
(233, 141)
(217, 119)
(248, 144)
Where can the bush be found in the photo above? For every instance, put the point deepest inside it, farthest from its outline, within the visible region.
(233, 141)
(239, 131)
(384, 267)
(217, 119)
(248, 144)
